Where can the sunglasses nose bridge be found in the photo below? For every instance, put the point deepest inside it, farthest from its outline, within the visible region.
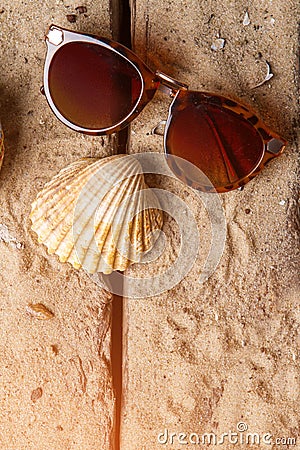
(170, 83)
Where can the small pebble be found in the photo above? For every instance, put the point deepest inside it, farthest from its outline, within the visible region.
(71, 18)
(81, 9)
(39, 311)
(54, 348)
(218, 44)
(36, 394)
(282, 202)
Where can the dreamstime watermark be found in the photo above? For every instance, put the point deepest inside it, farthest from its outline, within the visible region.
(168, 202)
(241, 436)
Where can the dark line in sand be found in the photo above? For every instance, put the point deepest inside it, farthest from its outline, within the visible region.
(120, 22)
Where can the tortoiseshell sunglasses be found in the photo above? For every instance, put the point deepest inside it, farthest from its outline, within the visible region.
(98, 86)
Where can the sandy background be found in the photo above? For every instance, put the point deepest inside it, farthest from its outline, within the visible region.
(200, 358)
(211, 356)
(66, 359)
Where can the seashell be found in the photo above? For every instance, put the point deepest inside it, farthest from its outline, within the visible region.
(1, 146)
(98, 214)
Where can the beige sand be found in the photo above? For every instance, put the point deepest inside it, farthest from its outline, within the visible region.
(200, 358)
(205, 357)
(55, 374)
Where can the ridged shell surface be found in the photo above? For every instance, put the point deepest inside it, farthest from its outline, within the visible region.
(1, 146)
(98, 214)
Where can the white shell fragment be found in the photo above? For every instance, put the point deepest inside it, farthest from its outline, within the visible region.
(268, 76)
(6, 237)
(98, 214)
(1, 146)
(218, 44)
(246, 20)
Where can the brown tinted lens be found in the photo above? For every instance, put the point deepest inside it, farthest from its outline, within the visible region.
(220, 142)
(92, 86)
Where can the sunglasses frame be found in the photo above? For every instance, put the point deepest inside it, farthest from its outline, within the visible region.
(56, 37)
(273, 144)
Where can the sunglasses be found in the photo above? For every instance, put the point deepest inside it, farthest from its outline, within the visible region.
(97, 86)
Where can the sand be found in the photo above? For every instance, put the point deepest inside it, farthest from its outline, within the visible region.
(201, 357)
(55, 374)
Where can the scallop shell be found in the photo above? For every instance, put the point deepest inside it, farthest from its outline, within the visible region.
(1, 146)
(98, 214)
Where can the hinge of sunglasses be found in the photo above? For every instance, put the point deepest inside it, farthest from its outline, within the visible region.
(169, 84)
(54, 35)
(275, 146)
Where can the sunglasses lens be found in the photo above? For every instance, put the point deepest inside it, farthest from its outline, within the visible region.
(220, 142)
(92, 86)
